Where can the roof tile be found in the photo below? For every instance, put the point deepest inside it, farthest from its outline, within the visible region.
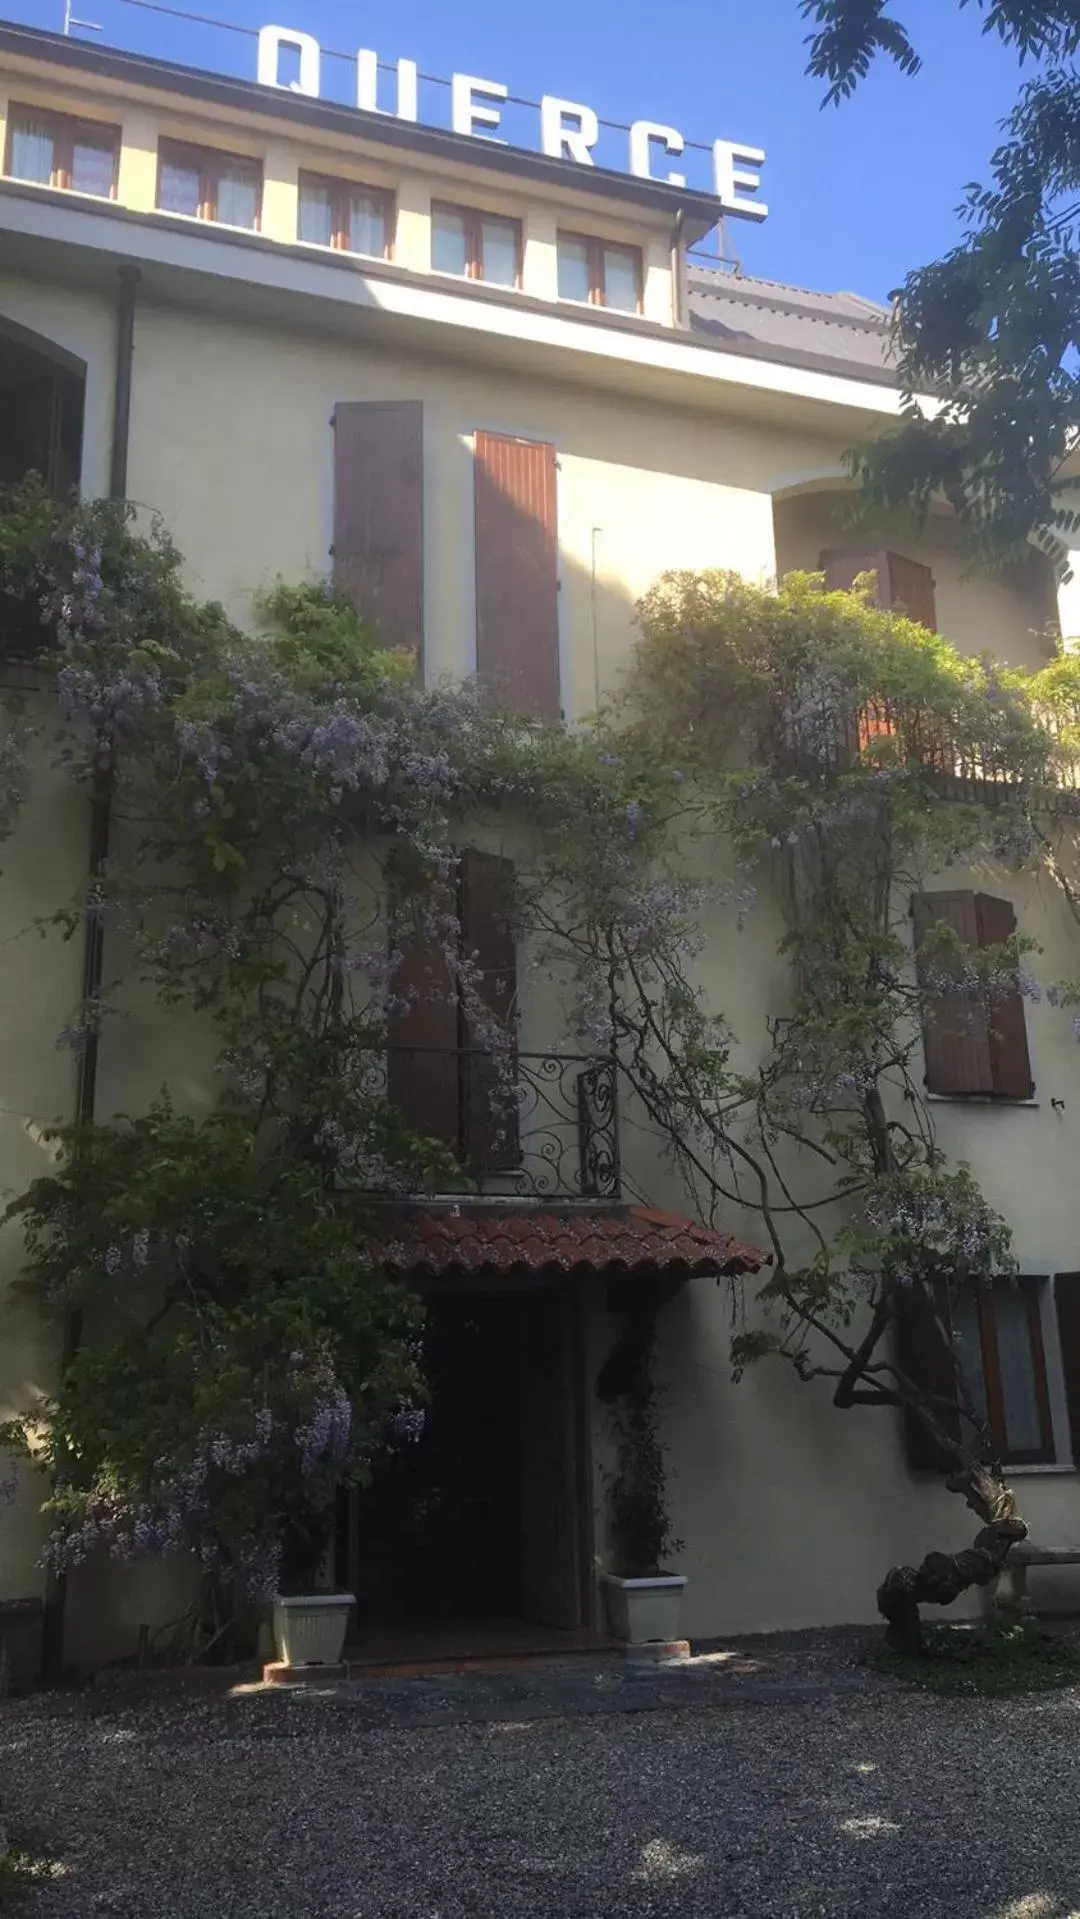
(428, 1238)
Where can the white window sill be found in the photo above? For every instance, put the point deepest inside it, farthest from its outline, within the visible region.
(46, 186)
(342, 252)
(982, 1099)
(600, 306)
(470, 280)
(1039, 1470)
(219, 226)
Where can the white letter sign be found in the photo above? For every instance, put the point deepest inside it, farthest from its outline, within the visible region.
(467, 115)
(730, 177)
(568, 142)
(568, 130)
(642, 134)
(271, 41)
(367, 86)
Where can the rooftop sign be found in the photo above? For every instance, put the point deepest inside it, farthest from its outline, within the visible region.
(569, 130)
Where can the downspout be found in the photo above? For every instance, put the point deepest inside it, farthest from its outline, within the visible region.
(52, 1642)
(677, 302)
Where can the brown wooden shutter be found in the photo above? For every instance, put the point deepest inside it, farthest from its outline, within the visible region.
(902, 583)
(911, 587)
(955, 1038)
(924, 1354)
(841, 570)
(1009, 1057)
(517, 604)
(422, 1046)
(1067, 1306)
(379, 515)
(489, 1104)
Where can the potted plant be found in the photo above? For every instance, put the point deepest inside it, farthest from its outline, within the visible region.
(309, 1622)
(644, 1599)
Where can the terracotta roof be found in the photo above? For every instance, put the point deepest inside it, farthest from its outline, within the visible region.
(626, 1239)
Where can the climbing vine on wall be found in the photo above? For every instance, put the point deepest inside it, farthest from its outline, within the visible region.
(288, 809)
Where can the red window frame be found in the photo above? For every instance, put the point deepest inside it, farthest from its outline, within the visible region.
(341, 192)
(474, 218)
(65, 129)
(209, 163)
(1030, 1292)
(594, 253)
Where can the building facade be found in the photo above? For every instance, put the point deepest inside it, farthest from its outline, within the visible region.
(461, 380)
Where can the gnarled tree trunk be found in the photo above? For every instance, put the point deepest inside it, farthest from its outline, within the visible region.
(942, 1577)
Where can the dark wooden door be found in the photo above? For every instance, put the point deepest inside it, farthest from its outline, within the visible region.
(31, 432)
(550, 1498)
(440, 1529)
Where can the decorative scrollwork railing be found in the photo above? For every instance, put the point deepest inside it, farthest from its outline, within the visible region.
(534, 1125)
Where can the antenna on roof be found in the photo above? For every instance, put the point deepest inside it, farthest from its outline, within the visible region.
(88, 26)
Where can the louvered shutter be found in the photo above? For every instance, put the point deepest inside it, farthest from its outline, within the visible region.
(517, 584)
(422, 1046)
(905, 584)
(379, 515)
(1007, 1026)
(956, 1042)
(1067, 1306)
(910, 588)
(841, 570)
(924, 1355)
(489, 1091)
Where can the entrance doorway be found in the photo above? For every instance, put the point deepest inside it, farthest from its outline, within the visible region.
(481, 1519)
(41, 411)
(41, 426)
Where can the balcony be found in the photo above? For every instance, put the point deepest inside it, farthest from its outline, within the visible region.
(814, 740)
(535, 1126)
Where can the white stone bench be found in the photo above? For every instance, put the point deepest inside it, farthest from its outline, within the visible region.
(1009, 1593)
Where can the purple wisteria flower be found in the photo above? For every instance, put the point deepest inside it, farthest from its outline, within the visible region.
(323, 1437)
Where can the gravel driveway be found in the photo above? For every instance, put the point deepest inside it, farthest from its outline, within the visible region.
(786, 1786)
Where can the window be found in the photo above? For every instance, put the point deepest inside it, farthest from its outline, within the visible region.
(905, 584)
(974, 1040)
(476, 246)
(998, 1332)
(351, 219)
(60, 152)
(995, 1333)
(209, 186)
(599, 274)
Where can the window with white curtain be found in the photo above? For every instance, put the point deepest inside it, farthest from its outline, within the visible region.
(352, 219)
(206, 185)
(55, 150)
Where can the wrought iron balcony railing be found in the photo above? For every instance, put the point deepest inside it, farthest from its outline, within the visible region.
(533, 1125)
(815, 740)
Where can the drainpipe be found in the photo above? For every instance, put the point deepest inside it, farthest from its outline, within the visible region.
(677, 303)
(52, 1644)
(129, 278)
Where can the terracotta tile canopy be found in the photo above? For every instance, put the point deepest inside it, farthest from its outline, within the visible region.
(465, 1240)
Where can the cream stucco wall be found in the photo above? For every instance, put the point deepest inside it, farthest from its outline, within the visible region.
(640, 487)
(42, 869)
(790, 1511)
(1014, 614)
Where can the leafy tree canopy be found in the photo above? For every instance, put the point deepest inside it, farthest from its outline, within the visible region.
(990, 330)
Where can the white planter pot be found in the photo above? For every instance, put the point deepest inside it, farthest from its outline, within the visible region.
(641, 1610)
(310, 1630)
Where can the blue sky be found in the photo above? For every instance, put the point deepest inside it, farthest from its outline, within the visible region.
(857, 194)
